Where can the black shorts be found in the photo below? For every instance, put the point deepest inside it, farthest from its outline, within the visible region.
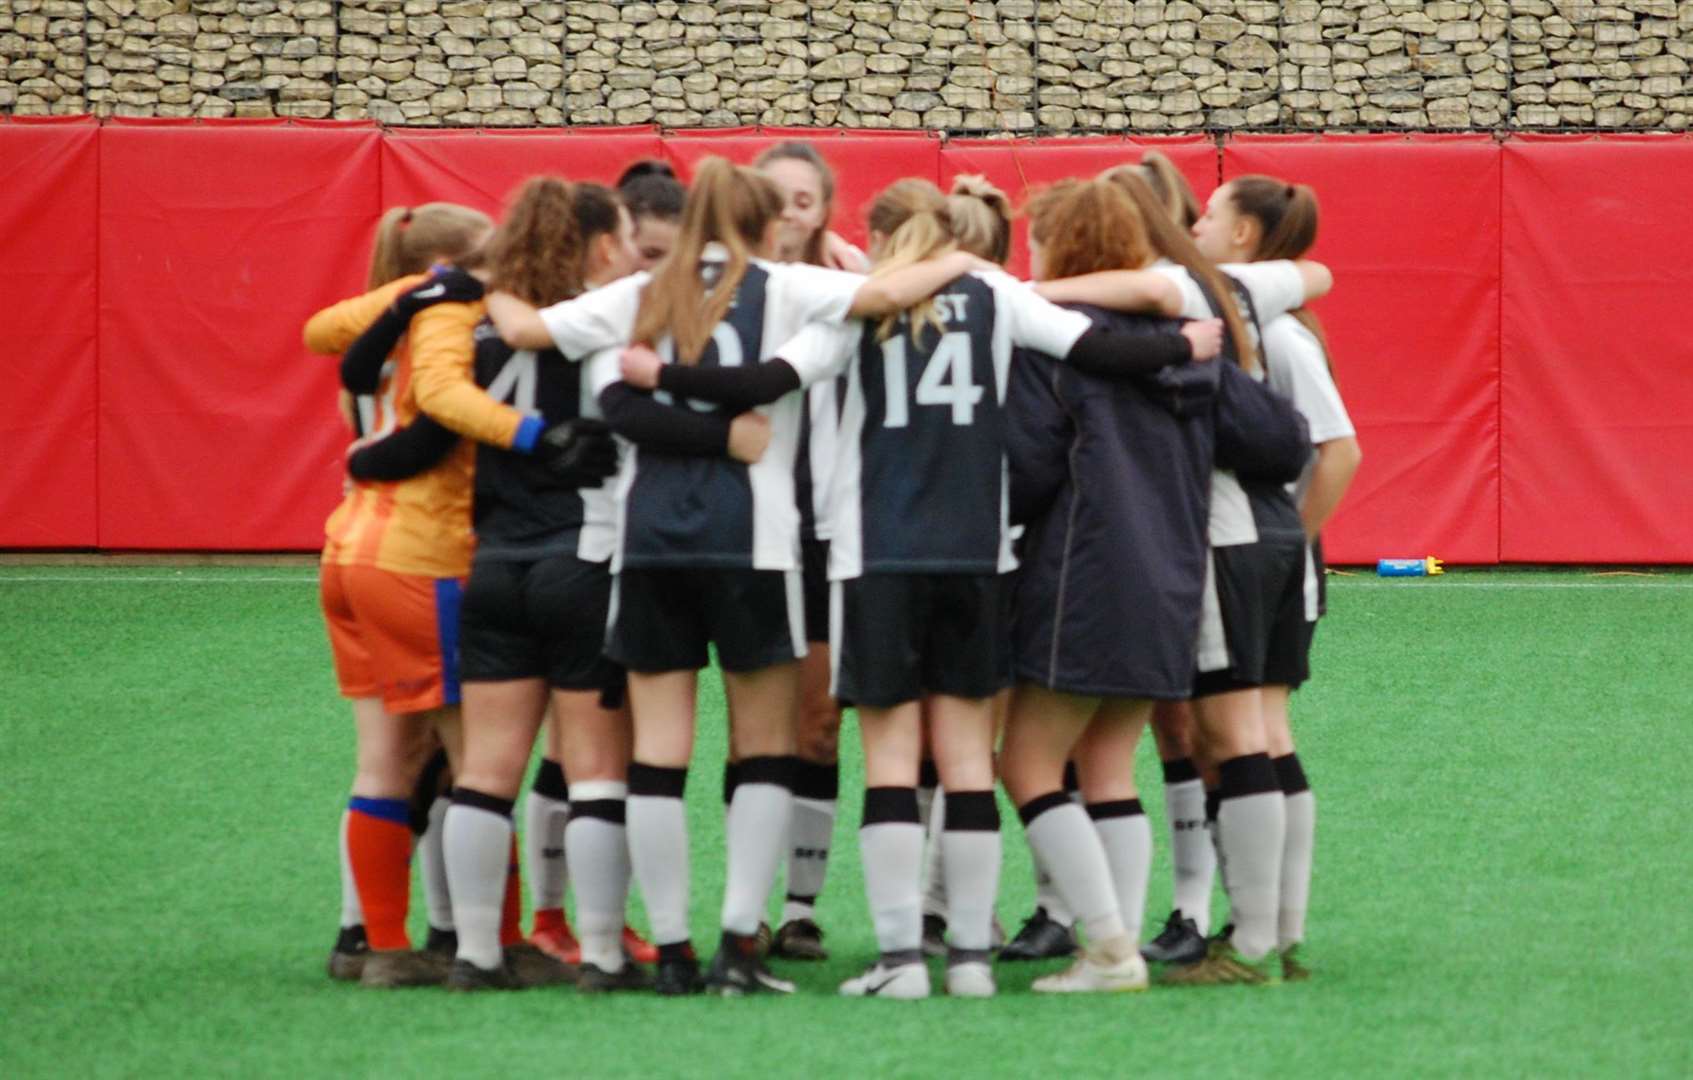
(814, 566)
(664, 619)
(541, 619)
(1260, 601)
(1007, 666)
(901, 636)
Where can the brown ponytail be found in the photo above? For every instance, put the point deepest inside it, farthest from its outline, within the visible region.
(1177, 245)
(409, 238)
(539, 253)
(1171, 188)
(1287, 219)
(728, 204)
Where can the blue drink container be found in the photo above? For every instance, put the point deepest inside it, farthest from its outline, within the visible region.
(1428, 567)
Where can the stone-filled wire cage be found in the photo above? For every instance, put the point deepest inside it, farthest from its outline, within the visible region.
(1016, 67)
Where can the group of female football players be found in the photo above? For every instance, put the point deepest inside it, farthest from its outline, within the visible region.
(1008, 522)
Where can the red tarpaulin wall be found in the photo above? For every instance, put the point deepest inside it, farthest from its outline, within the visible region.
(217, 430)
(1598, 350)
(160, 397)
(445, 166)
(1020, 168)
(1410, 226)
(48, 170)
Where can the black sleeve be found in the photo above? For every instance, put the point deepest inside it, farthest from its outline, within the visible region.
(1260, 435)
(739, 388)
(1117, 351)
(361, 364)
(1038, 435)
(413, 449)
(634, 415)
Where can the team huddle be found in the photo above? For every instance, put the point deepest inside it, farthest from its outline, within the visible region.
(627, 432)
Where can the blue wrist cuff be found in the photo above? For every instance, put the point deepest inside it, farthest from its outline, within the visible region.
(528, 433)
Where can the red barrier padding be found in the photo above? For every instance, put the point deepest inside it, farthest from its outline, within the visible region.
(48, 170)
(863, 162)
(216, 429)
(1410, 226)
(1597, 352)
(1019, 167)
(481, 169)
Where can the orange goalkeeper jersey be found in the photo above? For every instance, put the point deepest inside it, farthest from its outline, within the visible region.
(420, 525)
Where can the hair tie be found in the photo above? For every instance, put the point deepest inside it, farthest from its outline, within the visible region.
(1291, 192)
(405, 218)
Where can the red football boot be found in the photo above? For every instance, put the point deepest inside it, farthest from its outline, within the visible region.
(551, 934)
(638, 948)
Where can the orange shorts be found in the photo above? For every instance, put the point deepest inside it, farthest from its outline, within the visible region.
(393, 636)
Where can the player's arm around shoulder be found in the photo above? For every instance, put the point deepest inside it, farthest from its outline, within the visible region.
(443, 352)
(337, 326)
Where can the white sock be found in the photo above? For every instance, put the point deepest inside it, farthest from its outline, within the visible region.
(1301, 811)
(477, 841)
(810, 831)
(758, 831)
(352, 912)
(544, 862)
(1192, 858)
(1251, 824)
(934, 858)
(890, 843)
(1126, 836)
(658, 848)
(972, 854)
(432, 866)
(1070, 848)
(596, 844)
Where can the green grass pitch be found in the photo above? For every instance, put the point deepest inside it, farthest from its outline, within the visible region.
(1502, 763)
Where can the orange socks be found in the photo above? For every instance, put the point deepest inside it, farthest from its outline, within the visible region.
(379, 844)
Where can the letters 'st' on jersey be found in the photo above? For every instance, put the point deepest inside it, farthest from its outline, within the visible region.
(919, 482)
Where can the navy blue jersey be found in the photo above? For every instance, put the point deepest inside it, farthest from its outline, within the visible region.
(920, 472)
(522, 510)
(699, 511)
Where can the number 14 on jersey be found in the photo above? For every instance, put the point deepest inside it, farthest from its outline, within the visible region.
(948, 379)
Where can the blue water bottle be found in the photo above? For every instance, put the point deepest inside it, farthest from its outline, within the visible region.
(1428, 567)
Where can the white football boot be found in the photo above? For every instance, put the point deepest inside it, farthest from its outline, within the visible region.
(906, 982)
(1090, 976)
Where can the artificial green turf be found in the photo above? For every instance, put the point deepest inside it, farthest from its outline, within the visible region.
(1502, 764)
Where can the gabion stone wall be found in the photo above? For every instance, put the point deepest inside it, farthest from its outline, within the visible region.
(1013, 66)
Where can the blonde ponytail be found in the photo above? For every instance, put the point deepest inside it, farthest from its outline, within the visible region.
(727, 204)
(409, 238)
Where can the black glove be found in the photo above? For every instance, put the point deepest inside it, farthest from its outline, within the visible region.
(580, 452)
(448, 285)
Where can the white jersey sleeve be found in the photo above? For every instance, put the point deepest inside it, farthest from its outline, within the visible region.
(822, 351)
(1275, 287)
(1194, 305)
(1299, 372)
(597, 319)
(1035, 322)
(814, 293)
